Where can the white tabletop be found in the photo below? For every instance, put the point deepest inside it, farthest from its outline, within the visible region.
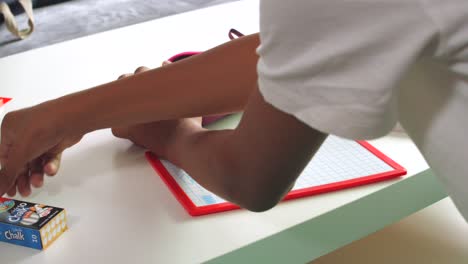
(119, 209)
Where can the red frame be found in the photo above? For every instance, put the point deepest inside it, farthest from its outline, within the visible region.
(3, 199)
(194, 210)
(4, 100)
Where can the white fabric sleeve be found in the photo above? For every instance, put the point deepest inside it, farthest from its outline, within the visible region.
(336, 65)
(451, 18)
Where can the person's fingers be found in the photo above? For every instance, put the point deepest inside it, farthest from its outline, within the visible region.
(124, 76)
(10, 169)
(141, 69)
(3, 154)
(7, 180)
(51, 159)
(121, 132)
(23, 183)
(37, 179)
(2, 160)
(37, 173)
(12, 191)
(52, 165)
(4, 147)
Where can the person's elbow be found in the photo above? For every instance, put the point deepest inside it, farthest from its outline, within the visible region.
(260, 204)
(258, 194)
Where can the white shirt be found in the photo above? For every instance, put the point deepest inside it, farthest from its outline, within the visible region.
(354, 68)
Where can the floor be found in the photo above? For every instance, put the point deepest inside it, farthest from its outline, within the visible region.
(435, 235)
(79, 18)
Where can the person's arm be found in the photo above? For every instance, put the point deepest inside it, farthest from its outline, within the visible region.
(254, 165)
(216, 81)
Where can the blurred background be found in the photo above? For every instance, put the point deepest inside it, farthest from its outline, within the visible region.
(61, 20)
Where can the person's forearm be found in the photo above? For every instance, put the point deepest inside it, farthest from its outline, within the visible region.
(213, 160)
(205, 155)
(254, 165)
(216, 81)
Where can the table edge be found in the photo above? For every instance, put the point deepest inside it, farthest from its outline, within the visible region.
(317, 237)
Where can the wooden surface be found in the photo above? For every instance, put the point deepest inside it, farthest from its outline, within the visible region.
(437, 234)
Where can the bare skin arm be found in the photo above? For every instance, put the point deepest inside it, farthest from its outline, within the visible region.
(254, 165)
(216, 81)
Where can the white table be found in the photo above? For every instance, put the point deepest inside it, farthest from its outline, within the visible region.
(119, 209)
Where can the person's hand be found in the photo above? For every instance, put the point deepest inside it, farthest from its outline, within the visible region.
(158, 137)
(31, 146)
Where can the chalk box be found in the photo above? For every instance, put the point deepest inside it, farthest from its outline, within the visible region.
(31, 225)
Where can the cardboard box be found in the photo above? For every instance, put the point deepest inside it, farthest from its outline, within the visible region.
(30, 224)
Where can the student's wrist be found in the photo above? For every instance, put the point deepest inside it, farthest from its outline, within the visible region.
(63, 117)
(46, 114)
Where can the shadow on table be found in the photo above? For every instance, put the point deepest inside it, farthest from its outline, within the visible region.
(135, 156)
(112, 169)
(119, 159)
(93, 162)
(16, 254)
